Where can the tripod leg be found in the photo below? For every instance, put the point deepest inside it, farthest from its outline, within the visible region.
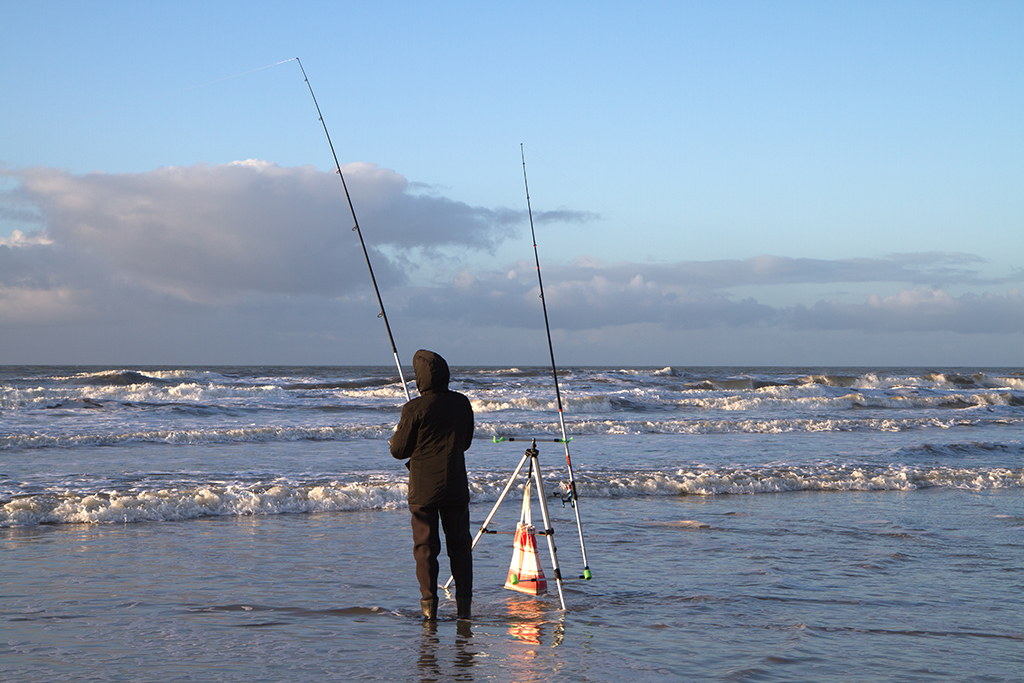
(497, 504)
(548, 531)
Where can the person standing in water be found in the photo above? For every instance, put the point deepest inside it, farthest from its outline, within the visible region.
(434, 432)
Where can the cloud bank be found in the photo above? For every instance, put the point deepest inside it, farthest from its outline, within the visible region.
(695, 295)
(254, 255)
(206, 233)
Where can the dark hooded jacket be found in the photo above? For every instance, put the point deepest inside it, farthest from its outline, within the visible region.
(434, 432)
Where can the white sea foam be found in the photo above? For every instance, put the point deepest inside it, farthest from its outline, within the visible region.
(190, 502)
(722, 481)
(175, 504)
(246, 434)
(254, 433)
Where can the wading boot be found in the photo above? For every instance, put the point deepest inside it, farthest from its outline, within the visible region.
(429, 608)
(462, 605)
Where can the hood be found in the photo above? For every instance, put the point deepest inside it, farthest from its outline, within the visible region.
(431, 371)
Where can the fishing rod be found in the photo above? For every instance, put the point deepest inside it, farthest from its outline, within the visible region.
(366, 254)
(573, 498)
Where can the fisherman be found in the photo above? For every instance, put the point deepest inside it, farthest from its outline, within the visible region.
(434, 432)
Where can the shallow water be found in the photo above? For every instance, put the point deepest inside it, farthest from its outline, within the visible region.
(922, 585)
(215, 525)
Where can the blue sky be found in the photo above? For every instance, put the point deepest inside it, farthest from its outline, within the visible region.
(724, 183)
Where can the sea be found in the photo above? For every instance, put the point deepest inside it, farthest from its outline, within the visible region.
(739, 524)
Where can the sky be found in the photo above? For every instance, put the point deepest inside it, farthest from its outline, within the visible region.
(711, 183)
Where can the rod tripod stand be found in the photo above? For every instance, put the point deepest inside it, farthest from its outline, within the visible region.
(533, 476)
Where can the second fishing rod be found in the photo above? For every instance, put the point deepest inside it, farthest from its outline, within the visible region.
(573, 497)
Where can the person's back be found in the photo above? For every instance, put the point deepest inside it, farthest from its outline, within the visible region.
(434, 432)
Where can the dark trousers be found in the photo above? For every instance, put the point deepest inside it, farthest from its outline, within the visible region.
(427, 546)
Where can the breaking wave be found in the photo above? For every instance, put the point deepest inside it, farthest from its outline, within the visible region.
(176, 503)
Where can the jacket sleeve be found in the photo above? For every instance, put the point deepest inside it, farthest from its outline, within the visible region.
(403, 441)
(470, 426)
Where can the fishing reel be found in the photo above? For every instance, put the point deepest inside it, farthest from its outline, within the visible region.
(566, 492)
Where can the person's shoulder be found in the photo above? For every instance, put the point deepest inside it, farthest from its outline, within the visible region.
(464, 401)
(412, 403)
(451, 395)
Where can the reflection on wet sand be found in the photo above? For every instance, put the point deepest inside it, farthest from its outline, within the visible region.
(432, 667)
(533, 623)
(530, 619)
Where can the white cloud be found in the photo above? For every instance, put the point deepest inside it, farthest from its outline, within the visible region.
(20, 239)
(207, 233)
(205, 263)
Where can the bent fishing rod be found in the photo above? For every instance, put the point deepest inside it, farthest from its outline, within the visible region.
(366, 254)
(554, 373)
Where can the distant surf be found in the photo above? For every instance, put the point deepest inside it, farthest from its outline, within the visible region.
(94, 445)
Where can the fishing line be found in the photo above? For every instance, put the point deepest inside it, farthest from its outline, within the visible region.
(149, 99)
(554, 374)
(366, 254)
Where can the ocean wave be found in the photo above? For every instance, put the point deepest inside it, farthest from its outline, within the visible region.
(587, 391)
(389, 492)
(254, 395)
(965, 449)
(132, 394)
(174, 504)
(249, 434)
(743, 426)
(808, 398)
(786, 478)
(579, 403)
(112, 378)
(940, 380)
(486, 429)
(752, 379)
(346, 385)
